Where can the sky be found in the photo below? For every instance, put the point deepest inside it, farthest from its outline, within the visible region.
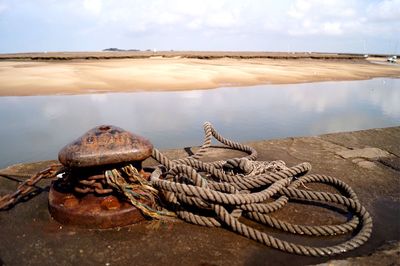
(354, 26)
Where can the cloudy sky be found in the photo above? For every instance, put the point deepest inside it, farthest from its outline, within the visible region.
(363, 26)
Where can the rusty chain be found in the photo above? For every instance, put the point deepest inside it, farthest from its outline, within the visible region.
(93, 184)
(27, 186)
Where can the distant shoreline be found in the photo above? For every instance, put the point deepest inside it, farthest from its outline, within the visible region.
(173, 54)
(155, 72)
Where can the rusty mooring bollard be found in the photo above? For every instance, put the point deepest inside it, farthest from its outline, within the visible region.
(83, 197)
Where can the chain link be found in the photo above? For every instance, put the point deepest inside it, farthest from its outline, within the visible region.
(27, 186)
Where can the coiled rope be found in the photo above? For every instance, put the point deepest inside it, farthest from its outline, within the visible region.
(219, 193)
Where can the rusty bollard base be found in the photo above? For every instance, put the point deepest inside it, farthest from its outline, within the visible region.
(90, 210)
(75, 200)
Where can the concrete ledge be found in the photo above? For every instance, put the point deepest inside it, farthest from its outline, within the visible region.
(30, 236)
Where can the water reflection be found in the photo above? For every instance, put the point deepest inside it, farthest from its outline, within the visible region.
(35, 128)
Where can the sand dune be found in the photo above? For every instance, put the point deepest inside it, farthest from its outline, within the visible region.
(19, 78)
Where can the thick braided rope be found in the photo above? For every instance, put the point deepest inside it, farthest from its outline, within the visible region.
(270, 241)
(321, 230)
(216, 193)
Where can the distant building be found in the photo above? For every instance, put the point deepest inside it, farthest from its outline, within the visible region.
(392, 59)
(119, 50)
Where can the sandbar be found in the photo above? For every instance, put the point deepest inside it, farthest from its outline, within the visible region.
(158, 73)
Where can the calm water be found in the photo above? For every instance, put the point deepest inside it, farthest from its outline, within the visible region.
(35, 128)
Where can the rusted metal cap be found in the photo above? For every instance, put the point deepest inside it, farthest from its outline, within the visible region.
(104, 145)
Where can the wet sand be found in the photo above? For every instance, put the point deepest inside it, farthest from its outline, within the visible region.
(158, 73)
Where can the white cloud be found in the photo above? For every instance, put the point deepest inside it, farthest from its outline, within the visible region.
(385, 10)
(221, 20)
(332, 28)
(305, 25)
(343, 18)
(299, 9)
(194, 24)
(291, 18)
(322, 17)
(93, 6)
(141, 16)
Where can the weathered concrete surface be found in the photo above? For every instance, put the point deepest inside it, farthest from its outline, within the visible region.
(30, 236)
(385, 255)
